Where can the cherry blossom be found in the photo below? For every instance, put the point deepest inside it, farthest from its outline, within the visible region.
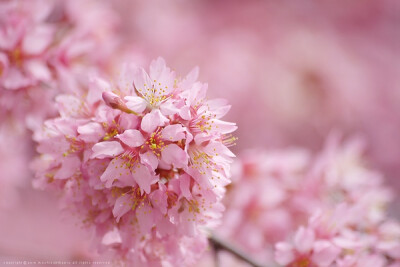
(276, 193)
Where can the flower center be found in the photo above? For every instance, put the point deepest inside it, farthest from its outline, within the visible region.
(130, 157)
(16, 57)
(75, 145)
(111, 129)
(202, 123)
(302, 262)
(1, 69)
(154, 94)
(155, 143)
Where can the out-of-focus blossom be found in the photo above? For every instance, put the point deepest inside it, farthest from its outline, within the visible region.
(143, 160)
(275, 193)
(342, 237)
(44, 48)
(306, 250)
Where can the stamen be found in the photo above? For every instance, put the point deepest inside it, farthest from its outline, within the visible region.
(229, 140)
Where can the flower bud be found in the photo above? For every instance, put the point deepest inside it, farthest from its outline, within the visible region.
(114, 101)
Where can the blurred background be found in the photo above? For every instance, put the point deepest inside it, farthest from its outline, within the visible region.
(293, 71)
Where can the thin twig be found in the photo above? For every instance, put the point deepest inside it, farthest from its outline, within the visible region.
(216, 248)
(220, 244)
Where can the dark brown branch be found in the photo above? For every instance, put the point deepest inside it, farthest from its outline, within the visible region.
(220, 244)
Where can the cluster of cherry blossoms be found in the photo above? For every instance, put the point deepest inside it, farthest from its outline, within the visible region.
(343, 236)
(295, 209)
(144, 160)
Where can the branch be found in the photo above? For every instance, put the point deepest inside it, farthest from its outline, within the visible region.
(218, 244)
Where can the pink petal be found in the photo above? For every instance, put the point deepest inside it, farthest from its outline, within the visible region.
(90, 132)
(284, 253)
(162, 76)
(202, 137)
(174, 132)
(217, 103)
(143, 177)
(185, 113)
(15, 79)
(219, 107)
(37, 40)
(38, 70)
(324, 253)
(173, 154)
(79, 48)
(184, 185)
(68, 105)
(125, 79)
(168, 108)
(141, 81)
(128, 121)
(122, 205)
(136, 103)
(224, 127)
(106, 149)
(124, 179)
(304, 239)
(346, 242)
(66, 126)
(151, 121)
(164, 225)
(197, 93)
(149, 159)
(145, 218)
(217, 147)
(187, 226)
(190, 79)
(157, 68)
(96, 88)
(68, 168)
(116, 169)
(202, 180)
(159, 199)
(132, 138)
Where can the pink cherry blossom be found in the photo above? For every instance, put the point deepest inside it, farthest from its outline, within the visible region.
(306, 250)
(145, 177)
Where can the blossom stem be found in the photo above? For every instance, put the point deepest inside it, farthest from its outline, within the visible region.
(220, 244)
(216, 249)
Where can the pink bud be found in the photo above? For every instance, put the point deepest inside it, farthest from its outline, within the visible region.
(115, 102)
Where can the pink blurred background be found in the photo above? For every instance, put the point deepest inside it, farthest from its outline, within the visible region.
(293, 71)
